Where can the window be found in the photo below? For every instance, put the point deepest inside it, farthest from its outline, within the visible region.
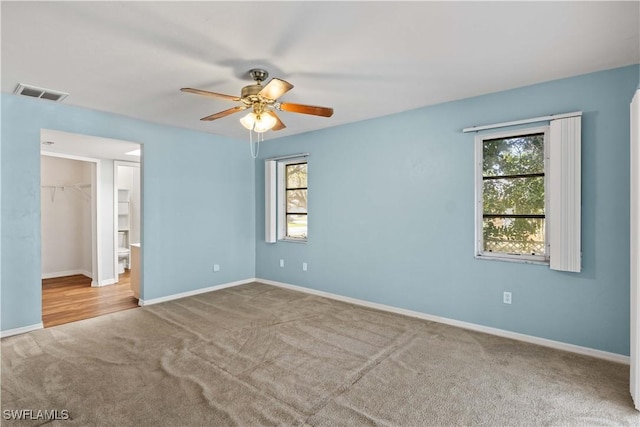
(512, 196)
(294, 208)
(286, 199)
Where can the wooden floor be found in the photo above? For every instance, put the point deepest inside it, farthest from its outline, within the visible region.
(71, 298)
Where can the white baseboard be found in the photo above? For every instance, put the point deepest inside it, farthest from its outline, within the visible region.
(143, 303)
(65, 273)
(22, 330)
(586, 351)
(104, 282)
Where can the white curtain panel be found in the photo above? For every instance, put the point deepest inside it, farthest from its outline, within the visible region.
(564, 194)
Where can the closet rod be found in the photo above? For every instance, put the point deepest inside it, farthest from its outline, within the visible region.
(77, 187)
(67, 186)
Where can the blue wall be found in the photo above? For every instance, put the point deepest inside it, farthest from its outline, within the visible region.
(391, 212)
(198, 203)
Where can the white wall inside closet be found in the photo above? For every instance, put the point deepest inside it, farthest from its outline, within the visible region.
(108, 273)
(66, 217)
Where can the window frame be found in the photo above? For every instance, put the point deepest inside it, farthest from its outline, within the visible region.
(480, 253)
(282, 198)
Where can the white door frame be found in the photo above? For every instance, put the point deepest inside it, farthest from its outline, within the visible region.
(117, 163)
(96, 218)
(634, 350)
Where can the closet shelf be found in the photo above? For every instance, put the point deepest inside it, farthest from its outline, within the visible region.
(124, 226)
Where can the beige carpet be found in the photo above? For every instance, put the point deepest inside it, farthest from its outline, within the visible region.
(259, 355)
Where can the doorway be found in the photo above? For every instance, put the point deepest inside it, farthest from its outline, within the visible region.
(67, 224)
(79, 255)
(126, 184)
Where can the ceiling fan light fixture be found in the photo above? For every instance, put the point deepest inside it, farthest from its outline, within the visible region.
(263, 102)
(248, 121)
(258, 123)
(264, 123)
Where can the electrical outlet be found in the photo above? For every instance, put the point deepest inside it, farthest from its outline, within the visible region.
(506, 297)
(304, 266)
(281, 263)
(216, 268)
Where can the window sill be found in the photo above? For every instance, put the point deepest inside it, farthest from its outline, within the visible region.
(512, 259)
(293, 240)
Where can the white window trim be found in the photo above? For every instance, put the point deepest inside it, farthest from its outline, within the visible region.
(479, 252)
(282, 199)
(275, 200)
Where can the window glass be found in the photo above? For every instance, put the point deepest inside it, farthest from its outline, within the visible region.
(297, 176)
(513, 195)
(516, 155)
(296, 200)
(297, 226)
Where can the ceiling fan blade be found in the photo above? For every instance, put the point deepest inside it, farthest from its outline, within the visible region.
(306, 109)
(224, 113)
(210, 94)
(279, 125)
(275, 89)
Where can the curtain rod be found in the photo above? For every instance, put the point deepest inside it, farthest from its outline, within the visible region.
(291, 156)
(522, 122)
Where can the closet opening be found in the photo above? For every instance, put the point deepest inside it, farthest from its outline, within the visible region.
(84, 271)
(126, 184)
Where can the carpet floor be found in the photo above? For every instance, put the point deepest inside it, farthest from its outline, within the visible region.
(259, 355)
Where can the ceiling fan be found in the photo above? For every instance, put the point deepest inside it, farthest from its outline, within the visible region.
(263, 102)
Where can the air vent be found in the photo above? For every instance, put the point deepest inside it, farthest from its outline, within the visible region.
(38, 92)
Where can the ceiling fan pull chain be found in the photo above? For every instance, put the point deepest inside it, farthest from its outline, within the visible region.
(254, 156)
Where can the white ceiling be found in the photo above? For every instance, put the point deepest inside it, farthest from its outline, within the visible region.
(364, 59)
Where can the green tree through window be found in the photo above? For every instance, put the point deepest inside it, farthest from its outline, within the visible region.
(296, 200)
(513, 189)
